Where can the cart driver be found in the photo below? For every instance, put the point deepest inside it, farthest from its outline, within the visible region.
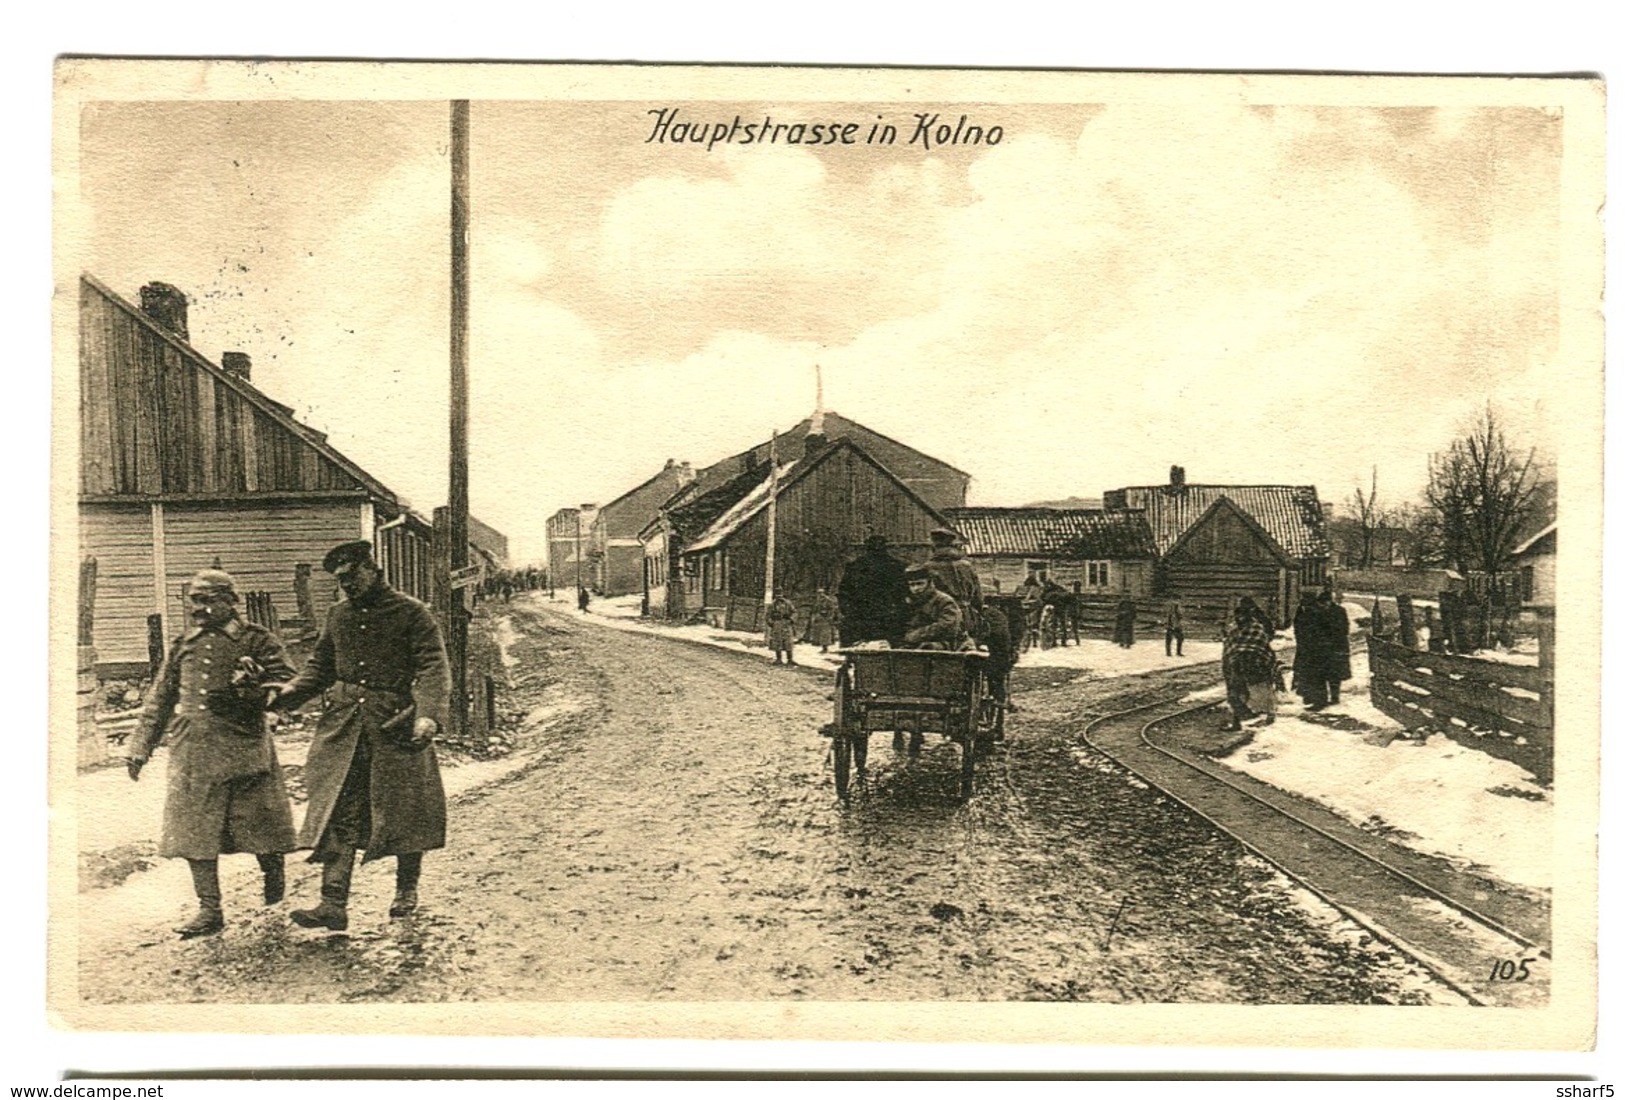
(934, 619)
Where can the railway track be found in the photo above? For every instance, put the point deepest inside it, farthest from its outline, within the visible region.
(1491, 948)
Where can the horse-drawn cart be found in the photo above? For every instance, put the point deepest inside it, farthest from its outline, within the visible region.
(912, 692)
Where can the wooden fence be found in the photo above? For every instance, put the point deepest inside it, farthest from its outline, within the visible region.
(1503, 709)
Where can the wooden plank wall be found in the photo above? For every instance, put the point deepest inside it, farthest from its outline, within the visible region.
(119, 537)
(1503, 709)
(260, 544)
(155, 421)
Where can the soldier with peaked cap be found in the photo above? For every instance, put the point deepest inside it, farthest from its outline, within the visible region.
(372, 774)
(955, 576)
(225, 791)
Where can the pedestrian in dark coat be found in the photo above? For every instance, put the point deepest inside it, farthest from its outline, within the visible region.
(372, 774)
(225, 791)
(872, 595)
(1123, 628)
(1310, 655)
(1173, 622)
(1335, 630)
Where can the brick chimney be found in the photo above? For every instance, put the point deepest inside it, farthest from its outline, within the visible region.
(236, 363)
(166, 306)
(1176, 478)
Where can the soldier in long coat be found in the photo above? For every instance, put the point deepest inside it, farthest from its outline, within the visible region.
(373, 778)
(225, 791)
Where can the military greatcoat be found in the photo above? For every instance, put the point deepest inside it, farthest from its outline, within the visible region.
(381, 662)
(225, 791)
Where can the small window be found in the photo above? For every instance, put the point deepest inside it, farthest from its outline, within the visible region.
(1100, 574)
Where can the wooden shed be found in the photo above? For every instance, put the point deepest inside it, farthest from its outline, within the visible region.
(829, 499)
(1217, 543)
(185, 464)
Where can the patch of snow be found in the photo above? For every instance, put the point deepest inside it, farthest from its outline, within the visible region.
(1438, 791)
(1106, 658)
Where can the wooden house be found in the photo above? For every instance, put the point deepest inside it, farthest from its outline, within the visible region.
(1536, 563)
(714, 489)
(185, 464)
(1217, 543)
(709, 555)
(568, 533)
(613, 543)
(1105, 553)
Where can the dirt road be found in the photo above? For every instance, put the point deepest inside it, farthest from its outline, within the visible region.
(673, 834)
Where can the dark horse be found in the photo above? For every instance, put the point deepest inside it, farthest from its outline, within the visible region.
(1060, 616)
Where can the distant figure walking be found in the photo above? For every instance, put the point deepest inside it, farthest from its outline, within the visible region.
(1123, 629)
(582, 599)
(781, 630)
(872, 596)
(821, 623)
(1173, 621)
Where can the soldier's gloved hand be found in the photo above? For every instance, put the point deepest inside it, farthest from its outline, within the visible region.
(134, 764)
(247, 673)
(423, 731)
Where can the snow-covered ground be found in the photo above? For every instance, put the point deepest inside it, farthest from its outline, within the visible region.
(1094, 655)
(1435, 796)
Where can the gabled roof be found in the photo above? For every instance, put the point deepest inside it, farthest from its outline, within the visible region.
(756, 497)
(1529, 543)
(1289, 514)
(279, 413)
(1077, 534)
(1225, 504)
(693, 517)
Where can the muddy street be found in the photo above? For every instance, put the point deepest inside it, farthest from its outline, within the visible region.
(672, 833)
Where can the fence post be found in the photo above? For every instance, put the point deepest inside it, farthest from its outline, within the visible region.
(1407, 621)
(1546, 635)
(155, 644)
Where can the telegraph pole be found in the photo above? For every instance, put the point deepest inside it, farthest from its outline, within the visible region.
(772, 513)
(457, 619)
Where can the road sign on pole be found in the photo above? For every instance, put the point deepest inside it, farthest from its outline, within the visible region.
(467, 575)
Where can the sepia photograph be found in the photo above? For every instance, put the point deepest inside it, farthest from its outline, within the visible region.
(902, 554)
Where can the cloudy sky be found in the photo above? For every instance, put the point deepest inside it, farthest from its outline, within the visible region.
(1260, 294)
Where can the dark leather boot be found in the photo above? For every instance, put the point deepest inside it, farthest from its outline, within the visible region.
(276, 877)
(332, 913)
(206, 922)
(206, 883)
(408, 867)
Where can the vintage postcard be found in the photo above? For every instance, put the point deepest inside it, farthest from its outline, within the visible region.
(942, 556)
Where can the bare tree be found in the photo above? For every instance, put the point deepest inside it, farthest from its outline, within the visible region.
(1369, 518)
(1485, 496)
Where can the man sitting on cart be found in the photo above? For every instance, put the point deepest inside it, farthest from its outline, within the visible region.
(934, 619)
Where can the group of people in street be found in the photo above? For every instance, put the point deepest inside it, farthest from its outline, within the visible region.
(372, 774)
(1320, 661)
(1320, 664)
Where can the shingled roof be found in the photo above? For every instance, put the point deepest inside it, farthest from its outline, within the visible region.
(1289, 513)
(1078, 534)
